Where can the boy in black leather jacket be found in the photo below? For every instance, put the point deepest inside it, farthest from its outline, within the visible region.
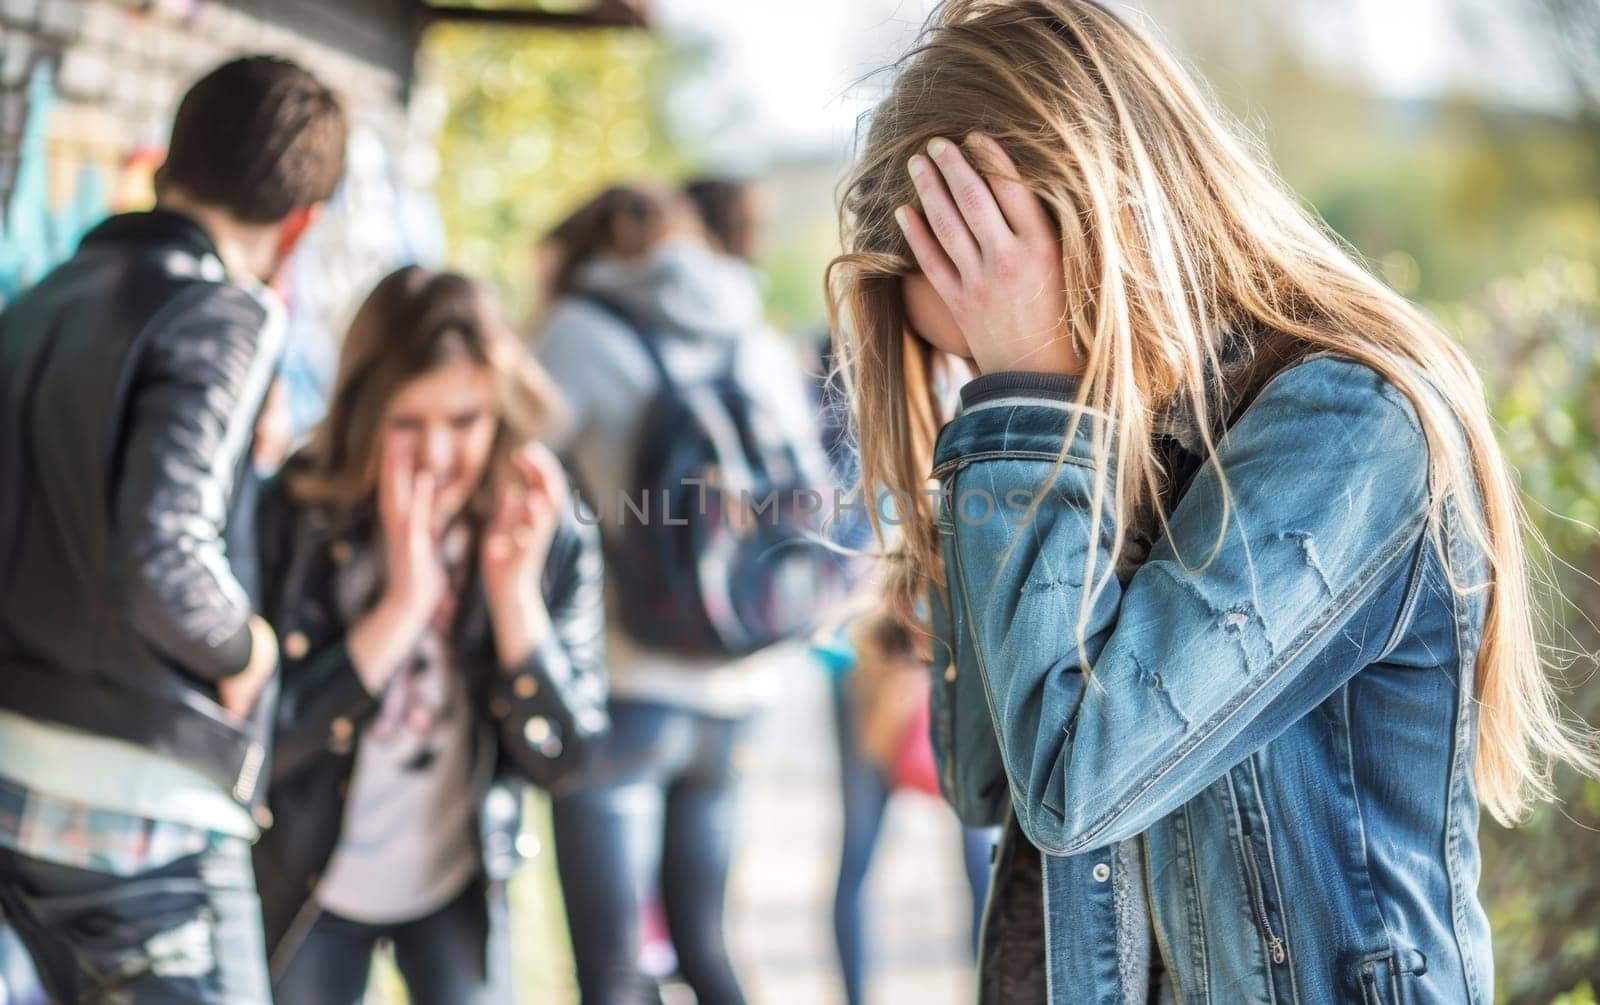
(136, 687)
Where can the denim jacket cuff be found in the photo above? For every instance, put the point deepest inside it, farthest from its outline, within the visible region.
(1019, 384)
(1016, 415)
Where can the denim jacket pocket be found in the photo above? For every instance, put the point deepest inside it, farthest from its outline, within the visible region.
(1387, 977)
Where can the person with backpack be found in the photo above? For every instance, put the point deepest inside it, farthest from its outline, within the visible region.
(136, 686)
(440, 609)
(684, 408)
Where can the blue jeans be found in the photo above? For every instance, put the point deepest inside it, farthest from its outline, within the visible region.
(19, 985)
(188, 932)
(458, 955)
(865, 792)
(662, 805)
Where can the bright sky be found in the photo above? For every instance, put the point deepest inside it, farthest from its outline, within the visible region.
(784, 77)
(792, 67)
(1415, 48)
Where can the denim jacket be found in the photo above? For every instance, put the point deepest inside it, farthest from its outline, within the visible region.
(1279, 711)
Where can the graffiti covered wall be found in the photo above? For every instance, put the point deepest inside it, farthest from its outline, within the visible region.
(87, 93)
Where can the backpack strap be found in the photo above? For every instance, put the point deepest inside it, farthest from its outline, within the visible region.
(649, 341)
(645, 338)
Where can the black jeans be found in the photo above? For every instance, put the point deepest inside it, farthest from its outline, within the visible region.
(662, 807)
(458, 955)
(188, 932)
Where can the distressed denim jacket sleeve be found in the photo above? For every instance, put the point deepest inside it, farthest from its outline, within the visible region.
(1201, 657)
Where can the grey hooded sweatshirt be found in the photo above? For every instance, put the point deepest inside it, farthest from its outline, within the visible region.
(701, 306)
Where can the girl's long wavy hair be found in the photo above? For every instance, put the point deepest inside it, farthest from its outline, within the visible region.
(1172, 233)
(414, 321)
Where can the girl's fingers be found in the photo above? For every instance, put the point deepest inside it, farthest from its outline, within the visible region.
(944, 219)
(1024, 211)
(535, 477)
(395, 477)
(541, 471)
(420, 514)
(519, 508)
(970, 193)
(531, 519)
(555, 479)
(526, 460)
(931, 259)
(388, 503)
(496, 538)
(505, 502)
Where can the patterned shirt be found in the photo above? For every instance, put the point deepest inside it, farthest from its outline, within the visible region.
(80, 836)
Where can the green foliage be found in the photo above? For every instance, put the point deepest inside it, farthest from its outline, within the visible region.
(540, 120)
(1537, 338)
(1492, 218)
(793, 270)
(1470, 199)
(1583, 994)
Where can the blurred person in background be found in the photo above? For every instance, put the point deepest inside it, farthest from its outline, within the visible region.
(878, 683)
(879, 679)
(136, 689)
(440, 610)
(733, 212)
(646, 309)
(1228, 562)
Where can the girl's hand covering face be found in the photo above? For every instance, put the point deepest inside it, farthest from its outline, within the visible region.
(406, 509)
(990, 250)
(517, 540)
(930, 318)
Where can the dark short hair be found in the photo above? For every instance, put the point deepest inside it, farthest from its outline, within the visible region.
(623, 220)
(258, 136)
(723, 204)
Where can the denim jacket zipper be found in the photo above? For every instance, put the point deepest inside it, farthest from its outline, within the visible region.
(1258, 905)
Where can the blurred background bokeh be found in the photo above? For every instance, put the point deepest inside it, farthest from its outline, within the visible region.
(1455, 144)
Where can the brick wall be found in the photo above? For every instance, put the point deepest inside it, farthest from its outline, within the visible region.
(87, 93)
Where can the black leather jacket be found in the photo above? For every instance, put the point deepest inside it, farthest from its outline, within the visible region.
(130, 381)
(535, 724)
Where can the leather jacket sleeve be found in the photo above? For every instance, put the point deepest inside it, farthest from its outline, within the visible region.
(551, 709)
(320, 684)
(199, 385)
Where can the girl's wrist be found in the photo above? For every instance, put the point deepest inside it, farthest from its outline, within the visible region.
(1060, 356)
(404, 609)
(520, 625)
(379, 642)
(402, 618)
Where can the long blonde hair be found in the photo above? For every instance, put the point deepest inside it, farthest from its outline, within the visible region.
(1172, 232)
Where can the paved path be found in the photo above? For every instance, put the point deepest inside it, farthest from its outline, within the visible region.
(781, 900)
